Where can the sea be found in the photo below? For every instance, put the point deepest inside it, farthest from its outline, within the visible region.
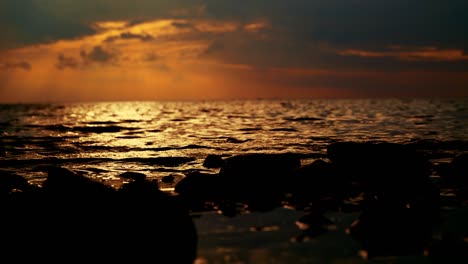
(102, 140)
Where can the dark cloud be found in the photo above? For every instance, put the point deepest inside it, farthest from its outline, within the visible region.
(67, 62)
(98, 54)
(356, 22)
(129, 35)
(24, 65)
(351, 23)
(31, 21)
(182, 25)
(300, 33)
(215, 46)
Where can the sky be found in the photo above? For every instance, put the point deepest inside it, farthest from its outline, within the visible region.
(114, 50)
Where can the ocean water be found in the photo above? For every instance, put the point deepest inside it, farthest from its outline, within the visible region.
(102, 140)
(108, 138)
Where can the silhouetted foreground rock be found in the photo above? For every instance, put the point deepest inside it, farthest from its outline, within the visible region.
(388, 184)
(213, 161)
(256, 180)
(74, 219)
(400, 202)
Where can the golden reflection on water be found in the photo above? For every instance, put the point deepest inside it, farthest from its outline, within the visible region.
(115, 131)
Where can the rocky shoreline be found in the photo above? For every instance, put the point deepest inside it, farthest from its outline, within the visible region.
(401, 197)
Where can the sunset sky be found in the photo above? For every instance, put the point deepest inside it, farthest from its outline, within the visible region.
(93, 50)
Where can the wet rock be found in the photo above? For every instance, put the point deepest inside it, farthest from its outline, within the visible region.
(383, 168)
(460, 169)
(258, 179)
(67, 183)
(2, 149)
(445, 171)
(312, 225)
(137, 176)
(386, 228)
(75, 216)
(197, 188)
(10, 182)
(213, 161)
(315, 181)
(140, 189)
(448, 250)
(168, 179)
(253, 169)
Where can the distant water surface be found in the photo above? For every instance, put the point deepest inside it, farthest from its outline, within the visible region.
(103, 140)
(107, 138)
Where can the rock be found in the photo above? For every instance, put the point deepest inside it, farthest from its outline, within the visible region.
(460, 169)
(380, 167)
(137, 176)
(213, 161)
(69, 184)
(448, 250)
(313, 224)
(74, 216)
(388, 228)
(10, 182)
(168, 179)
(258, 179)
(316, 181)
(197, 188)
(257, 168)
(2, 149)
(140, 189)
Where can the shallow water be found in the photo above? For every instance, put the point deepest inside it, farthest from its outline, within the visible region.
(107, 138)
(103, 140)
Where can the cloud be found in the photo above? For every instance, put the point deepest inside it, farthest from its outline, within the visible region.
(352, 24)
(67, 62)
(255, 26)
(183, 25)
(98, 54)
(215, 46)
(415, 54)
(362, 35)
(129, 35)
(24, 65)
(31, 21)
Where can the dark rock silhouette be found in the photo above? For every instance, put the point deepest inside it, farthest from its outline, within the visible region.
(313, 224)
(168, 179)
(258, 179)
(316, 181)
(73, 218)
(401, 204)
(133, 175)
(2, 149)
(448, 250)
(11, 183)
(213, 161)
(198, 188)
(380, 166)
(388, 229)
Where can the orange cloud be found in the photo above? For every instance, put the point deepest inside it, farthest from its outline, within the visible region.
(16, 65)
(418, 54)
(167, 60)
(256, 26)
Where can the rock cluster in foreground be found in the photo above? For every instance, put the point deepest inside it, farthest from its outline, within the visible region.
(72, 218)
(391, 186)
